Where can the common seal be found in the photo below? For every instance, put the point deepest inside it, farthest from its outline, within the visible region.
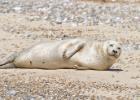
(71, 53)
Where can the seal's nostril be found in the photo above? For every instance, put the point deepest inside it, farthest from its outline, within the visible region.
(114, 51)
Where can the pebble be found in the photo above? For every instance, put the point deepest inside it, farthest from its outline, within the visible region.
(18, 9)
(11, 92)
(78, 13)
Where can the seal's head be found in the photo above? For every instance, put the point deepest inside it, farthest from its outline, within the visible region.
(112, 49)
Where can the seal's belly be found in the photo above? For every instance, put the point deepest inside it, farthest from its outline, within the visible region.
(42, 57)
(30, 61)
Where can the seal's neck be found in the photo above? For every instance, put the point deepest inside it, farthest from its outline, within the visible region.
(102, 51)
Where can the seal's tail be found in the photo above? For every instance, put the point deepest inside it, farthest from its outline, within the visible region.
(7, 62)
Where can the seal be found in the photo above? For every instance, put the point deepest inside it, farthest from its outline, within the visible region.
(71, 53)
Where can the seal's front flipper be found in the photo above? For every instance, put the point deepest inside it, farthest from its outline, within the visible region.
(72, 48)
(6, 61)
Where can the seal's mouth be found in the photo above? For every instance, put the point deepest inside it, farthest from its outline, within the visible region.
(113, 55)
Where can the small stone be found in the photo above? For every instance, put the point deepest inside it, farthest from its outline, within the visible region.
(34, 18)
(11, 92)
(42, 9)
(59, 20)
(50, 34)
(17, 9)
(136, 18)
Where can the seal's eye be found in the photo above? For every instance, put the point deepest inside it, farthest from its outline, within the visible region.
(111, 45)
(119, 48)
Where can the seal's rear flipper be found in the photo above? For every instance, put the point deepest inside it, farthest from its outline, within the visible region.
(9, 65)
(7, 61)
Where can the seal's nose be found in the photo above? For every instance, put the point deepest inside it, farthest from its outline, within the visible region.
(114, 51)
